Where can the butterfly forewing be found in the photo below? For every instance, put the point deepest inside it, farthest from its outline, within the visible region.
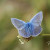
(37, 19)
(17, 23)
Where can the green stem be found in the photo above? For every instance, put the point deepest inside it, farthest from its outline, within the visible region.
(45, 34)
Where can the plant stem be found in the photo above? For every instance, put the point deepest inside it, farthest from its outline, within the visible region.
(45, 34)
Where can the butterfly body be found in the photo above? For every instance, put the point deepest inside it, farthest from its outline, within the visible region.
(29, 29)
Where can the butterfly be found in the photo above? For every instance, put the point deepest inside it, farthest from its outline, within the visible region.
(32, 28)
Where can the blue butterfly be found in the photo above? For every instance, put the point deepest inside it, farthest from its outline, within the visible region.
(31, 28)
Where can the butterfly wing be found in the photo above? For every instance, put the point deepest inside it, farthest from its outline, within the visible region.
(23, 33)
(36, 21)
(36, 31)
(17, 23)
(20, 25)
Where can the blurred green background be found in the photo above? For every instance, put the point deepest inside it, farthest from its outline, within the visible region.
(23, 10)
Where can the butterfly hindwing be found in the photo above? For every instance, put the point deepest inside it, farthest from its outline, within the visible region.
(36, 31)
(23, 32)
